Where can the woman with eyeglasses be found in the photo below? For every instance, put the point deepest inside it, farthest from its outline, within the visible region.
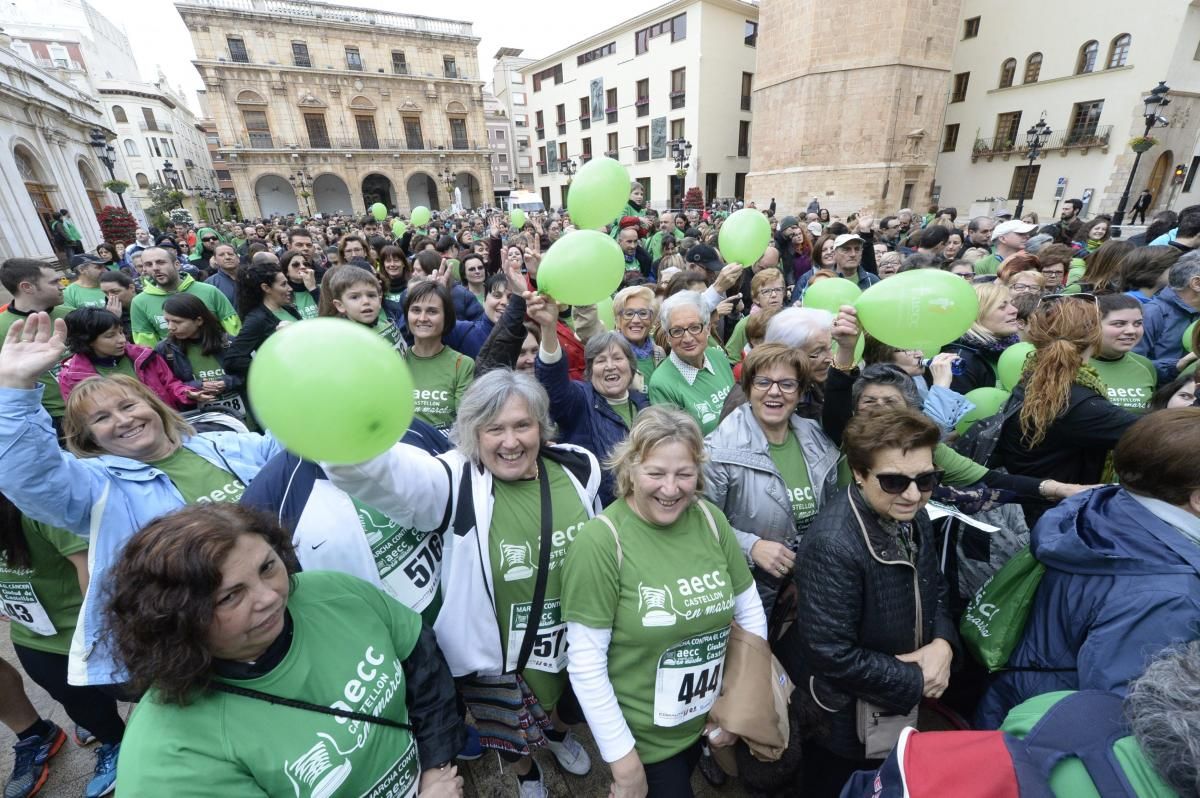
(1066, 425)
(695, 377)
(768, 469)
(634, 309)
(768, 291)
(877, 635)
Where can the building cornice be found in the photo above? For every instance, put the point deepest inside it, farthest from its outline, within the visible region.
(222, 65)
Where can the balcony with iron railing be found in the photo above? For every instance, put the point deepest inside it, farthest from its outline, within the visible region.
(264, 141)
(325, 13)
(1078, 139)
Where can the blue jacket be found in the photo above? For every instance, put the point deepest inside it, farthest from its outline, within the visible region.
(225, 284)
(1165, 317)
(584, 417)
(105, 499)
(1120, 585)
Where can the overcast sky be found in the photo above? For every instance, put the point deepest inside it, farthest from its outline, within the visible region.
(160, 39)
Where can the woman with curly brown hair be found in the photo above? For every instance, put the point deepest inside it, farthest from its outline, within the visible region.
(1066, 427)
(257, 684)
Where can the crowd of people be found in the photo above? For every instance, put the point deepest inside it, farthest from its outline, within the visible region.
(594, 504)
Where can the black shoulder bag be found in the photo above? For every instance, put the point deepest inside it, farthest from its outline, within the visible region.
(295, 703)
(543, 572)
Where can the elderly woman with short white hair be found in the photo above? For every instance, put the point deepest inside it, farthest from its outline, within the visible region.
(635, 312)
(695, 377)
(507, 504)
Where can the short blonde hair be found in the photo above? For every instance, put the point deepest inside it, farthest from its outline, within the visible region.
(642, 292)
(77, 431)
(656, 425)
(991, 296)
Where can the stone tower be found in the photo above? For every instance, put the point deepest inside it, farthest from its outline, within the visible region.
(849, 99)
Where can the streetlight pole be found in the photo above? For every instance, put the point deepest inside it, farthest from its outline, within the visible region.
(681, 151)
(1154, 102)
(1035, 138)
(449, 178)
(567, 167)
(105, 154)
(301, 181)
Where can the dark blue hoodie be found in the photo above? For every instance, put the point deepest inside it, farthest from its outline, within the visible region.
(1120, 585)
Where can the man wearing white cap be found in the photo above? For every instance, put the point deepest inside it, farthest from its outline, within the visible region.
(847, 259)
(1008, 238)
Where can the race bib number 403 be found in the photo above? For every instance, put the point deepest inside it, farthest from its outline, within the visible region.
(20, 604)
(688, 680)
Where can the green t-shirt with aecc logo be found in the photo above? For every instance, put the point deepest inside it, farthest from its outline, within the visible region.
(669, 605)
(79, 296)
(208, 368)
(514, 547)
(704, 397)
(306, 306)
(788, 458)
(42, 601)
(199, 481)
(439, 383)
(348, 648)
(387, 330)
(409, 561)
(1131, 380)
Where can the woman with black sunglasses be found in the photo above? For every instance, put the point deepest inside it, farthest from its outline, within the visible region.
(878, 635)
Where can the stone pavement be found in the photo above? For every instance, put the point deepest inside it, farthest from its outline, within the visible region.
(71, 769)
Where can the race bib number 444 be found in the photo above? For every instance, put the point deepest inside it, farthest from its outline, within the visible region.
(688, 679)
(549, 652)
(20, 604)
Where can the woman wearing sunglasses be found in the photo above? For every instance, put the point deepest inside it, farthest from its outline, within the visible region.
(878, 635)
(1066, 426)
(768, 469)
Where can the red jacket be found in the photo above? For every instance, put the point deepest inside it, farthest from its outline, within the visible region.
(152, 370)
(572, 347)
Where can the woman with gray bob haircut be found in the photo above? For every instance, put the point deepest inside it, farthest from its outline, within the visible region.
(597, 411)
(506, 504)
(1163, 709)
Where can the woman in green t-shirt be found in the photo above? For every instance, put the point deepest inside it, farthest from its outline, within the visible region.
(195, 349)
(650, 591)
(1129, 378)
(769, 470)
(394, 271)
(43, 574)
(306, 294)
(250, 670)
(440, 375)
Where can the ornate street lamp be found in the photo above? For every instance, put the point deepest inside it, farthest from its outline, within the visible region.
(106, 155)
(302, 182)
(1154, 103)
(170, 174)
(1035, 138)
(681, 151)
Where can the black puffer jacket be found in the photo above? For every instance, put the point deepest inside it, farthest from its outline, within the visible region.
(977, 364)
(857, 605)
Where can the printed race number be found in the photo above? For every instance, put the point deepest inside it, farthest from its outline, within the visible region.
(20, 604)
(549, 650)
(688, 679)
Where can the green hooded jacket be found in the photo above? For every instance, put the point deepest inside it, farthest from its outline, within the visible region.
(148, 323)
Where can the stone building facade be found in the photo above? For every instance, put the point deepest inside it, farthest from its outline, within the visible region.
(848, 106)
(327, 109)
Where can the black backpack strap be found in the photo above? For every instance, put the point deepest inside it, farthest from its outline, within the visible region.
(464, 512)
(295, 703)
(543, 571)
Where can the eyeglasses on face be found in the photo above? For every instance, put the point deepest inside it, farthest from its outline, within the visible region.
(636, 313)
(896, 484)
(1024, 288)
(770, 291)
(785, 386)
(209, 238)
(691, 329)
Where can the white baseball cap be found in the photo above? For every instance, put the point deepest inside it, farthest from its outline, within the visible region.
(844, 239)
(1015, 226)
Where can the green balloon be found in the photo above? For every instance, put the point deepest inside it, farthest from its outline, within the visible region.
(421, 216)
(598, 194)
(516, 218)
(859, 347)
(331, 363)
(1012, 363)
(744, 237)
(923, 309)
(987, 401)
(379, 211)
(399, 228)
(831, 293)
(604, 311)
(1188, 334)
(582, 268)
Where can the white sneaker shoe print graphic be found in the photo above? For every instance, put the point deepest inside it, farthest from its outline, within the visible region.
(652, 602)
(514, 561)
(314, 776)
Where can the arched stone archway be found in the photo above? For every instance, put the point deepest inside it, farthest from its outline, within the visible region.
(330, 195)
(275, 195)
(91, 185)
(422, 190)
(29, 167)
(378, 188)
(469, 189)
(1157, 182)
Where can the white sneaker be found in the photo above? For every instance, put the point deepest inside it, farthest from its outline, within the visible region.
(532, 789)
(570, 755)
